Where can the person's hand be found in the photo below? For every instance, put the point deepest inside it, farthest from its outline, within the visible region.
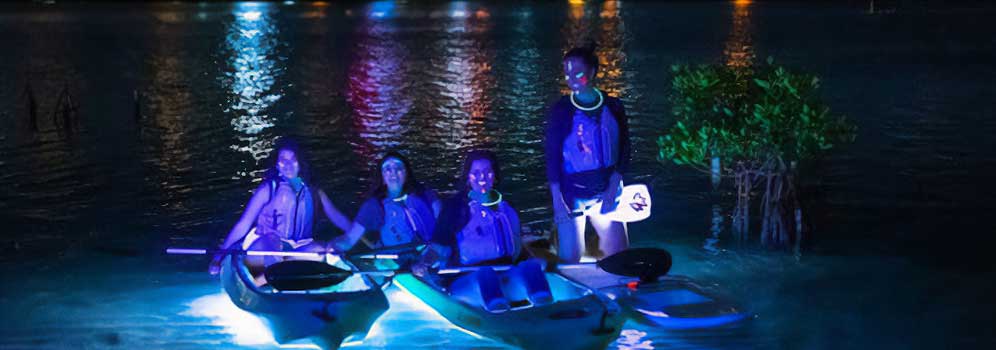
(420, 269)
(215, 267)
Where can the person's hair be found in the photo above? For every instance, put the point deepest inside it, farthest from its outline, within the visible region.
(379, 189)
(289, 144)
(586, 53)
(475, 155)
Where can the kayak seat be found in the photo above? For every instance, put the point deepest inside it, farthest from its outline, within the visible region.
(541, 298)
(520, 303)
(498, 305)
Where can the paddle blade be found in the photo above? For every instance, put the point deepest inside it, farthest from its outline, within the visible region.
(634, 204)
(304, 275)
(645, 263)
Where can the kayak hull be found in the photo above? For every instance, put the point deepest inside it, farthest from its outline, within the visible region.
(578, 319)
(324, 316)
(671, 302)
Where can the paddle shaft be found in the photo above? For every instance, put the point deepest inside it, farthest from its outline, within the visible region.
(194, 251)
(506, 267)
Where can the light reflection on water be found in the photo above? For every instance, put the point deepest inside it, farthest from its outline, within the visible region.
(378, 87)
(739, 50)
(252, 41)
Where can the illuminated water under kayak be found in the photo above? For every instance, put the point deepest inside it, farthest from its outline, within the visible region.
(325, 316)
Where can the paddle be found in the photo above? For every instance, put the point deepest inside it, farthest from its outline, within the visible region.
(645, 263)
(199, 251)
(634, 205)
(648, 264)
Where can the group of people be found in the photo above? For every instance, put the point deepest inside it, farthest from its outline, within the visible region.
(587, 151)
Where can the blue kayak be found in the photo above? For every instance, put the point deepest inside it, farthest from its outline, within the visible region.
(669, 302)
(578, 318)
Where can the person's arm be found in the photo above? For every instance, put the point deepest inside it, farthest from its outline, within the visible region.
(440, 246)
(346, 242)
(622, 158)
(554, 142)
(337, 217)
(256, 203)
(241, 228)
(619, 112)
(513, 220)
(435, 202)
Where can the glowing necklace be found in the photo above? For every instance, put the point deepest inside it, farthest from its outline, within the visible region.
(586, 109)
(400, 199)
(486, 204)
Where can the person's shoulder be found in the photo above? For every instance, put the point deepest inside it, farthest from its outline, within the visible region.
(264, 187)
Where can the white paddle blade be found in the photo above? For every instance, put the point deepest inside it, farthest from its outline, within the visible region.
(634, 204)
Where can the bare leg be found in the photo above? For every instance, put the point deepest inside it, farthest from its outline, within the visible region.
(257, 264)
(612, 235)
(570, 240)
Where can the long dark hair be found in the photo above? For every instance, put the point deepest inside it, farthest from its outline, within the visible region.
(379, 189)
(475, 155)
(586, 53)
(289, 144)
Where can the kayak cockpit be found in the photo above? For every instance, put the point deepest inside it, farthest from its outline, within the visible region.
(561, 288)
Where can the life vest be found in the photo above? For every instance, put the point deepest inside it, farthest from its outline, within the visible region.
(592, 143)
(405, 220)
(489, 242)
(302, 213)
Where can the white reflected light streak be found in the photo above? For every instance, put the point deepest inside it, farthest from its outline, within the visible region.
(252, 43)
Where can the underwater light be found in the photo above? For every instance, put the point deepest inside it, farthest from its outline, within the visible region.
(402, 301)
(244, 327)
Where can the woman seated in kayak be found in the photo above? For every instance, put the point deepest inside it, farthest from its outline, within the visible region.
(399, 210)
(280, 212)
(479, 228)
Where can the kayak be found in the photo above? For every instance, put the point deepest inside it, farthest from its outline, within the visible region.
(668, 302)
(325, 316)
(578, 318)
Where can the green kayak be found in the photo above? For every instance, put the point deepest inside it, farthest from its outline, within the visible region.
(579, 318)
(326, 316)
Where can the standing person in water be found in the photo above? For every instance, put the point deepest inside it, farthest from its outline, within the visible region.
(399, 210)
(587, 150)
(280, 213)
(478, 227)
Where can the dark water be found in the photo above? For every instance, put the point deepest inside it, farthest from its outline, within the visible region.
(176, 106)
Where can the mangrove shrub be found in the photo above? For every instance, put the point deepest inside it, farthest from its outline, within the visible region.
(761, 122)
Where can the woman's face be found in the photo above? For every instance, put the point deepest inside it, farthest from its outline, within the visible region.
(393, 172)
(287, 165)
(577, 74)
(481, 176)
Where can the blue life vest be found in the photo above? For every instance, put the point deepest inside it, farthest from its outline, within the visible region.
(591, 144)
(489, 242)
(406, 220)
